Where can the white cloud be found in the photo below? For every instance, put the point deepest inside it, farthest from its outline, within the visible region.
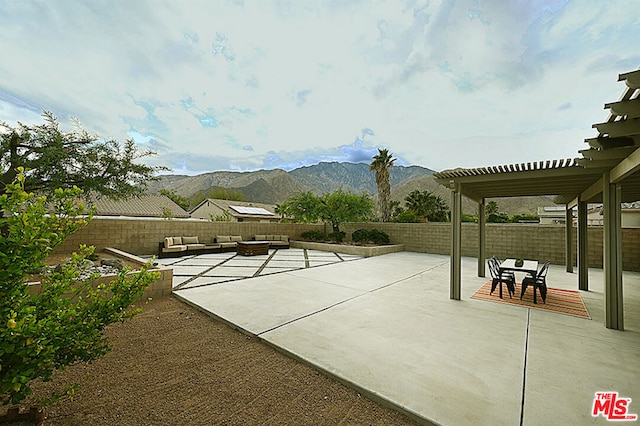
(220, 85)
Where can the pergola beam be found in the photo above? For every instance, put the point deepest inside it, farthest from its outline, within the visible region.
(626, 167)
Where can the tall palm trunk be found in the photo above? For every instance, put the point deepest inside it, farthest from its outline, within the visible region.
(381, 164)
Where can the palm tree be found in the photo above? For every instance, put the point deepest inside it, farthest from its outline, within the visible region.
(381, 164)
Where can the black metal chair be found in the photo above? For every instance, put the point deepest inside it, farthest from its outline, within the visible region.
(539, 282)
(499, 278)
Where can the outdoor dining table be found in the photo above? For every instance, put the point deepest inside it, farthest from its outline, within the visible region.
(528, 266)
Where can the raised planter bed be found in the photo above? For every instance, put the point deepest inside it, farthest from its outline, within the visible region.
(365, 251)
(160, 288)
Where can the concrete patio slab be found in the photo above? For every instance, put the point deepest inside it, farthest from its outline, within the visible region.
(264, 303)
(386, 326)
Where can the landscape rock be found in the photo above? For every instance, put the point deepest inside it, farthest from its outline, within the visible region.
(113, 262)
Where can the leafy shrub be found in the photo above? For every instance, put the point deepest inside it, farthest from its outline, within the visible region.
(373, 236)
(524, 218)
(313, 235)
(337, 236)
(378, 237)
(465, 217)
(360, 236)
(64, 323)
(406, 216)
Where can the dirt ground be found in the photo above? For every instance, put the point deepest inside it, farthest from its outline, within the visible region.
(174, 365)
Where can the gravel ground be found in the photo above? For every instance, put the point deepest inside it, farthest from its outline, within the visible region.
(173, 365)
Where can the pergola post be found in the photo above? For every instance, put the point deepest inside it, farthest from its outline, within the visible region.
(612, 264)
(583, 248)
(456, 240)
(568, 238)
(481, 239)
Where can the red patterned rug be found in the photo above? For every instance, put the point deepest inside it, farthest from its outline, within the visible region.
(568, 302)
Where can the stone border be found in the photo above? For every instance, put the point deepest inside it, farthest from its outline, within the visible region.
(364, 251)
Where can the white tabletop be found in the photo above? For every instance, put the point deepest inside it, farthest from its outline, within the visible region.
(527, 266)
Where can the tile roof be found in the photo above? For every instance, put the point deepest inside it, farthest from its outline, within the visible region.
(142, 206)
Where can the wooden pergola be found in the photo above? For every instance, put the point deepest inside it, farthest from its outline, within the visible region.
(608, 172)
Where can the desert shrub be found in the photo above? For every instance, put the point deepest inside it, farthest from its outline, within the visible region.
(337, 236)
(360, 236)
(313, 235)
(373, 236)
(378, 237)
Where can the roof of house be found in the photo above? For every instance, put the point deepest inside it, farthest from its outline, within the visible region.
(243, 209)
(141, 206)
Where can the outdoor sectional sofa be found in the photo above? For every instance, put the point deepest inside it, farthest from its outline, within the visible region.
(182, 246)
(227, 242)
(275, 241)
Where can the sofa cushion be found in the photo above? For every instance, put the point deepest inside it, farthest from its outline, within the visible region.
(195, 246)
(168, 242)
(175, 248)
(260, 238)
(223, 238)
(236, 238)
(228, 244)
(190, 240)
(284, 238)
(177, 241)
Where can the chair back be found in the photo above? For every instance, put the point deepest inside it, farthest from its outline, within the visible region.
(494, 268)
(542, 274)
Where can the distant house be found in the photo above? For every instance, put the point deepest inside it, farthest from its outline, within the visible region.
(630, 215)
(235, 211)
(159, 206)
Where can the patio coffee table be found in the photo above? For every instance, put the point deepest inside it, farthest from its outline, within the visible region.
(252, 248)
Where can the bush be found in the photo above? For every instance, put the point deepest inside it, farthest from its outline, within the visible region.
(64, 323)
(372, 236)
(337, 237)
(378, 237)
(360, 236)
(465, 217)
(313, 235)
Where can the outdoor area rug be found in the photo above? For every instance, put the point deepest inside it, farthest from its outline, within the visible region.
(566, 302)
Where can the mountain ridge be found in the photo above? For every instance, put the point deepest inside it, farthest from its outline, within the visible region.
(276, 185)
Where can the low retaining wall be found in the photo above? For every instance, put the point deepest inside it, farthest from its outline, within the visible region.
(158, 288)
(348, 249)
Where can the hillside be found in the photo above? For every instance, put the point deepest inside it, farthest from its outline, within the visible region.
(274, 186)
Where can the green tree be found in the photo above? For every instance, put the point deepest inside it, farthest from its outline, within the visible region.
(64, 323)
(176, 198)
(427, 206)
(334, 208)
(382, 162)
(493, 215)
(55, 159)
(343, 206)
(302, 208)
(491, 208)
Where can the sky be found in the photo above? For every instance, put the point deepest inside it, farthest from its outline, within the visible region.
(263, 84)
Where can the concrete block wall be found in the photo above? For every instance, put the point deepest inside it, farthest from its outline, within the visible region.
(141, 236)
(529, 241)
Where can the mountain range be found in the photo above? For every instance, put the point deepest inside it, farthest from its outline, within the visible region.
(274, 186)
